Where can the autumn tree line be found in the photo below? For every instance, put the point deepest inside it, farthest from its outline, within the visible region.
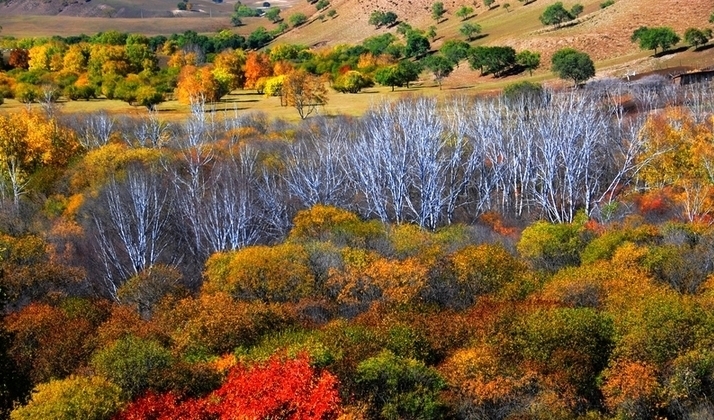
(146, 71)
(533, 254)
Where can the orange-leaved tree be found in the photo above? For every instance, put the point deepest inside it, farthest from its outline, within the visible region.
(257, 66)
(198, 85)
(30, 141)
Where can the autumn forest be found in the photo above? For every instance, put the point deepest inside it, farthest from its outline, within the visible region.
(531, 254)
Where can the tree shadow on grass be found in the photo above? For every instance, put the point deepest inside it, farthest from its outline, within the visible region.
(704, 47)
(670, 52)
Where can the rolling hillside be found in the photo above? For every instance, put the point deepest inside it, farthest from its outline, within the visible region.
(602, 33)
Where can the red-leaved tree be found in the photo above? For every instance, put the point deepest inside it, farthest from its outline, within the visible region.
(278, 389)
(167, 406)
(285, 389)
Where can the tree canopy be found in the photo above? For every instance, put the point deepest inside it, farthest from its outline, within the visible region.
(573, 65)
(661, 38)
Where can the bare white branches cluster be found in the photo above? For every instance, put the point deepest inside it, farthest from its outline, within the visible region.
(417, 160)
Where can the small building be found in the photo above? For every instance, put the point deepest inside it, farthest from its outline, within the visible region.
(691, 77)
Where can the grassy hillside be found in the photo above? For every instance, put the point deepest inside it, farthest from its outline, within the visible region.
(603, 33)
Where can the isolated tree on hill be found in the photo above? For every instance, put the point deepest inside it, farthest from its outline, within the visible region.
(655, 38)
(297, 19)
(440, 66)
(488, 3)
(437, 11)
(379, 18)
(573, 65)
(469, 30)
(273, 14)
(529, 60)
(556, 14)
(464, 12)
(697, 37)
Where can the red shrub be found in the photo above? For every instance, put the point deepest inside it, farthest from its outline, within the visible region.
(286, 389)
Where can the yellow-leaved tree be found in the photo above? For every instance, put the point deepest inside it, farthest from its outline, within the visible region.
(679, 157)
(304, 91)
(30, 141)
(228, 69)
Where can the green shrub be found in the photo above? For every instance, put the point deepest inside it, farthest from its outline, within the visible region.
(550, 246)
(291, 343)
(607, 3)
(297, 19)
(574, 341)
(131, 363)
(400, 388)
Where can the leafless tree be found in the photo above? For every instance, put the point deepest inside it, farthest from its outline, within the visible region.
(95, 130)
(130, 223)
(315, 164)
(148, 131)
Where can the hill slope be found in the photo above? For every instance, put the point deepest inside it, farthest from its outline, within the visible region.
(602, 33)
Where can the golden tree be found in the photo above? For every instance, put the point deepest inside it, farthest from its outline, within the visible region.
(679, 155)
(198, 84)
(304, 91)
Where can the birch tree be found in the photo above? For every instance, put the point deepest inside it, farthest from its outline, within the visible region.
(131, 221)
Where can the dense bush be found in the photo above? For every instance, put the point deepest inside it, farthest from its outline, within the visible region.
(77, 397)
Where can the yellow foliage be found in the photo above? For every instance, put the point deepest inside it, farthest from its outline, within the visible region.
(366, 277)
(328, 223)
(469, 364)
(76, 58)
(369, 61)
(399, 281)
(30, 141)
(485, 268)
(679, 153)
(214, 324)
(411, 240)
(96, 167)
(274, 86)
(75, 397)
(272, 274)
